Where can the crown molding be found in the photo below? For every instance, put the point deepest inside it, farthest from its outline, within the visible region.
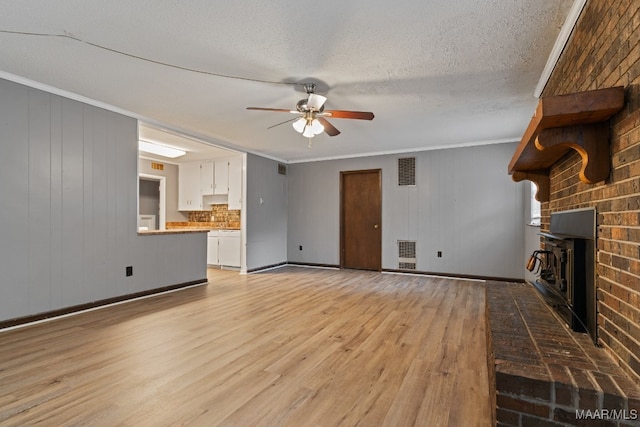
(558, 47)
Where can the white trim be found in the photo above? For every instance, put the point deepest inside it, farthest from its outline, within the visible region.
(558, 47)
(409, 150)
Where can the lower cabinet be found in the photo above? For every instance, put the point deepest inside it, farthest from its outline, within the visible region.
(212, 248)
(223, 248)
(229, 248)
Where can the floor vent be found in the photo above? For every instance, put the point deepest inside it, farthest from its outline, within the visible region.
(407, 171)
(406, 254)
(282, 169)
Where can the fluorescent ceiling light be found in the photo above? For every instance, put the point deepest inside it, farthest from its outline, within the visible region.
(159, 149)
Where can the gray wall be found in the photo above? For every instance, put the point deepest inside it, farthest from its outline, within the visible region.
(171, 173)
(464, 204)
(266, 230)
(68, 181)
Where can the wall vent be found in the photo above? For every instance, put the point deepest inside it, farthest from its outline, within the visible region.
(406, 254)
(282, 169)
(406, 265)
(407, 171)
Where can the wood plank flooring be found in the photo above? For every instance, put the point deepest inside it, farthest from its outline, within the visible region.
(288, 347)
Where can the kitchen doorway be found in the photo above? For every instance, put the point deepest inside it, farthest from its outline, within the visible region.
(360, 219)
(151, 202)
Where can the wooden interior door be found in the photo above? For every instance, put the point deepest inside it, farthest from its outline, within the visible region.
(360, 219)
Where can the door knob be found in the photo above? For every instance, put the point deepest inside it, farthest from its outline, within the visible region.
(376, 226)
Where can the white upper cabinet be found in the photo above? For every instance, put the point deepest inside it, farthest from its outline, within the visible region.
(221, 176)
(235, 183)
(207, 178)
(189, 195)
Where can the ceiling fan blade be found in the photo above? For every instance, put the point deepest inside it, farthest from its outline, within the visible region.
(329, 129)
(315, 101)
(279, 110)
(342, 114)
(286, 121)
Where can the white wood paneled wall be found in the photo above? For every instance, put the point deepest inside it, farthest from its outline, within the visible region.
(68, 190)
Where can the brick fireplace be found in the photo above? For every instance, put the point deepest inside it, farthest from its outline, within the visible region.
(604, 52)
(544, 372)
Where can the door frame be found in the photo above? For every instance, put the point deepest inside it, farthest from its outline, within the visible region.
(342, 210)
(163, 197)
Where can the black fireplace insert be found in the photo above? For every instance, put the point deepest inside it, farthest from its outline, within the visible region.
(566, 268)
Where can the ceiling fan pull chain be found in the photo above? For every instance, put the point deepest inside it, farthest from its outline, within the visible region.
(310, 142)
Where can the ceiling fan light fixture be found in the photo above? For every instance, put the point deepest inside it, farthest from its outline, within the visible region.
(299, 124)
(308, 132)
(316, 127)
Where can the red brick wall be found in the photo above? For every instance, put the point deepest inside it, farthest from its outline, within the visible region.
(604, 51)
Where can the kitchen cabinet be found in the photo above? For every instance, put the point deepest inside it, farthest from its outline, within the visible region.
(189, 194)
(229, 248)
(207, 178)
(221, 176)
(195, 180)
(235, 183)
(212, 248)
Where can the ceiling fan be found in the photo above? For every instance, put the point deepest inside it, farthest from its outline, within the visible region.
(311, 119)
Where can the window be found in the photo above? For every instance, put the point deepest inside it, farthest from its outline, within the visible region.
(535, 206)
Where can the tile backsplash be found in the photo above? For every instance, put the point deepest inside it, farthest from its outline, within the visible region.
(219, 217)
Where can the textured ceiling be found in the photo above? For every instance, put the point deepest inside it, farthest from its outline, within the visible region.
(436, 73)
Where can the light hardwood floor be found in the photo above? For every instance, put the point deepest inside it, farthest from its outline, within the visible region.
(288, 347)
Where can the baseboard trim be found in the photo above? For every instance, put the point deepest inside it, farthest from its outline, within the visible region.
(19, 321)
(267, 267)
(314, 265)
(453, 275)
(395, 271)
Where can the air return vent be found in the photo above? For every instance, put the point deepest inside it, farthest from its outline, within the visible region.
(407, 171)
(406, 255)
(282, 169)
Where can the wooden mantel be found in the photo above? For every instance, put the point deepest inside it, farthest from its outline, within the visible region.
(578, 121)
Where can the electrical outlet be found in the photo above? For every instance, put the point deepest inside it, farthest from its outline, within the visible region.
(439, 254)
(129, 271)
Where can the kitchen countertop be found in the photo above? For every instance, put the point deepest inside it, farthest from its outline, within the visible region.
(199, 225)
(173, 231)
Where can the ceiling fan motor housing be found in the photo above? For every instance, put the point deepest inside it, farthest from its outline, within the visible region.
(302, 106)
